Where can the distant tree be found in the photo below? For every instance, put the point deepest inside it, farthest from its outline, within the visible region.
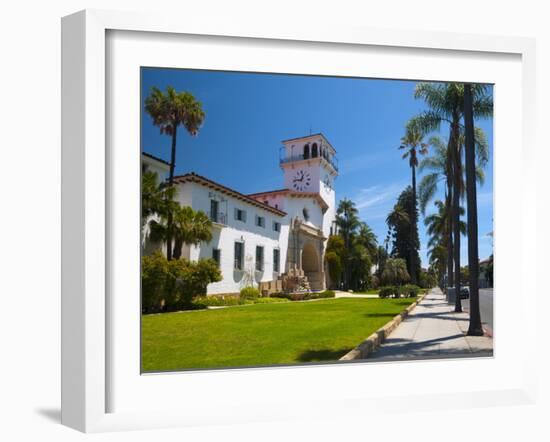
(367, 238)
(395, 272)
(360, 266)
(335, 256)
(380, 260)
(347, 221)
(464, 275)
(405, 238)
(413, 144)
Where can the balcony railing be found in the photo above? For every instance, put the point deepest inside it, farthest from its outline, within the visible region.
(219, 218)
(333, 161)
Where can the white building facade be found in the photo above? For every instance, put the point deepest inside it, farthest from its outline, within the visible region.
(274, 240)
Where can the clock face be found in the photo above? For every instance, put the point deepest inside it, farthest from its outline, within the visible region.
(301, 180)
(327, 182)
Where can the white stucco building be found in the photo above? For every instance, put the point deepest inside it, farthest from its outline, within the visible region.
(275, 239)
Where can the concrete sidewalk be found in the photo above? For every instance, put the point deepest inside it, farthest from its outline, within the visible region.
(342, 294)
(433, 330)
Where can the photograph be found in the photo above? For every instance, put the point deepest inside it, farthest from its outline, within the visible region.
(294, 219)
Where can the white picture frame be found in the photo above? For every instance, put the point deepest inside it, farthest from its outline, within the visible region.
(86, 353)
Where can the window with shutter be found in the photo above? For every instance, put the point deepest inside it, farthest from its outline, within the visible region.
(259, 258)
(276, 259)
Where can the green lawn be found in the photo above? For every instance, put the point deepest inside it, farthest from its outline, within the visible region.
(262, 334)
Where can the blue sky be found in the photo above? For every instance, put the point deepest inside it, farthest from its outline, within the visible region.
(247, 116)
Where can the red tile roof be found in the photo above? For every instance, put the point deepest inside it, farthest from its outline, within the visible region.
(195, 178)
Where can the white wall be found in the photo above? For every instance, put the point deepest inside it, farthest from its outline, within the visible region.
(162, 170)
(30, 36)
(295, 207)
(224, 237)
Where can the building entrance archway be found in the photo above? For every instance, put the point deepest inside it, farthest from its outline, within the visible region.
(311, 266)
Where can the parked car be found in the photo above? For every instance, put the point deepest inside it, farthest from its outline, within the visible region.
(465, 292)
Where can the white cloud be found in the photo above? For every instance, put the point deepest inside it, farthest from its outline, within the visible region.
(376, 201)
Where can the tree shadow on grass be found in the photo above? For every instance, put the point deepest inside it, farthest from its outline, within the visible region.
(325, 354)
(380, 315)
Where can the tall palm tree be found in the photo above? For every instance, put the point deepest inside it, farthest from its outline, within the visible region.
(412, 143)
(475, 327)
(170, 110)
(439, 170)
(437, 228)
(446, 105)
(347, 221)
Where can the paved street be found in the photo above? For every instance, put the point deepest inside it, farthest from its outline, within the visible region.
(433, 330)
(485, 306)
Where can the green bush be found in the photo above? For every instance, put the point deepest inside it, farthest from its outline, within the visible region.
(269, 300)
(387, 291)
(304, 296)
(410, 290)
(280, 295)
(326, 294)
(250, 293)
(172, 285)
(218, 301)
(154, 269)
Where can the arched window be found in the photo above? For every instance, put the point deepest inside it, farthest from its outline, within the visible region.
(306, 151)
(314, 150)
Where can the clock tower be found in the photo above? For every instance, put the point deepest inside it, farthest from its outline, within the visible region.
(310, 167)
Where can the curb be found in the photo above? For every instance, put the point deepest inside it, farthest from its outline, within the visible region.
(373, 342)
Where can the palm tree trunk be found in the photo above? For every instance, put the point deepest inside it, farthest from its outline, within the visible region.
(456, 213)
(169, 221)
(412, 254)
(448, 203)
(475, 328)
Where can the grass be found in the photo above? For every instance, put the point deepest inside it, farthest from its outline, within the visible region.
(262, 334)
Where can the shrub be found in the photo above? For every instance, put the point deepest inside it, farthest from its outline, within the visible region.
(218, 301)
(298, 296)
(250, 293)
(154, 269)
(395, 271)
(190, 279)
(410, 290)
(326, 294)
(269, 300)
(280, 295)
(387, 291)
(173, 284)
(304, 296)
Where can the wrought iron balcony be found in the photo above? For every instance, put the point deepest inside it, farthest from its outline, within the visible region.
(332, 160)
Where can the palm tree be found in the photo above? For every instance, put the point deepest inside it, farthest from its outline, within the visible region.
(347, 221)
(475, 328)
(438, 166)
(154, 195)
(367, 238)
(446, 105)
(190, 228)
(168, 111)
(413, 145)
